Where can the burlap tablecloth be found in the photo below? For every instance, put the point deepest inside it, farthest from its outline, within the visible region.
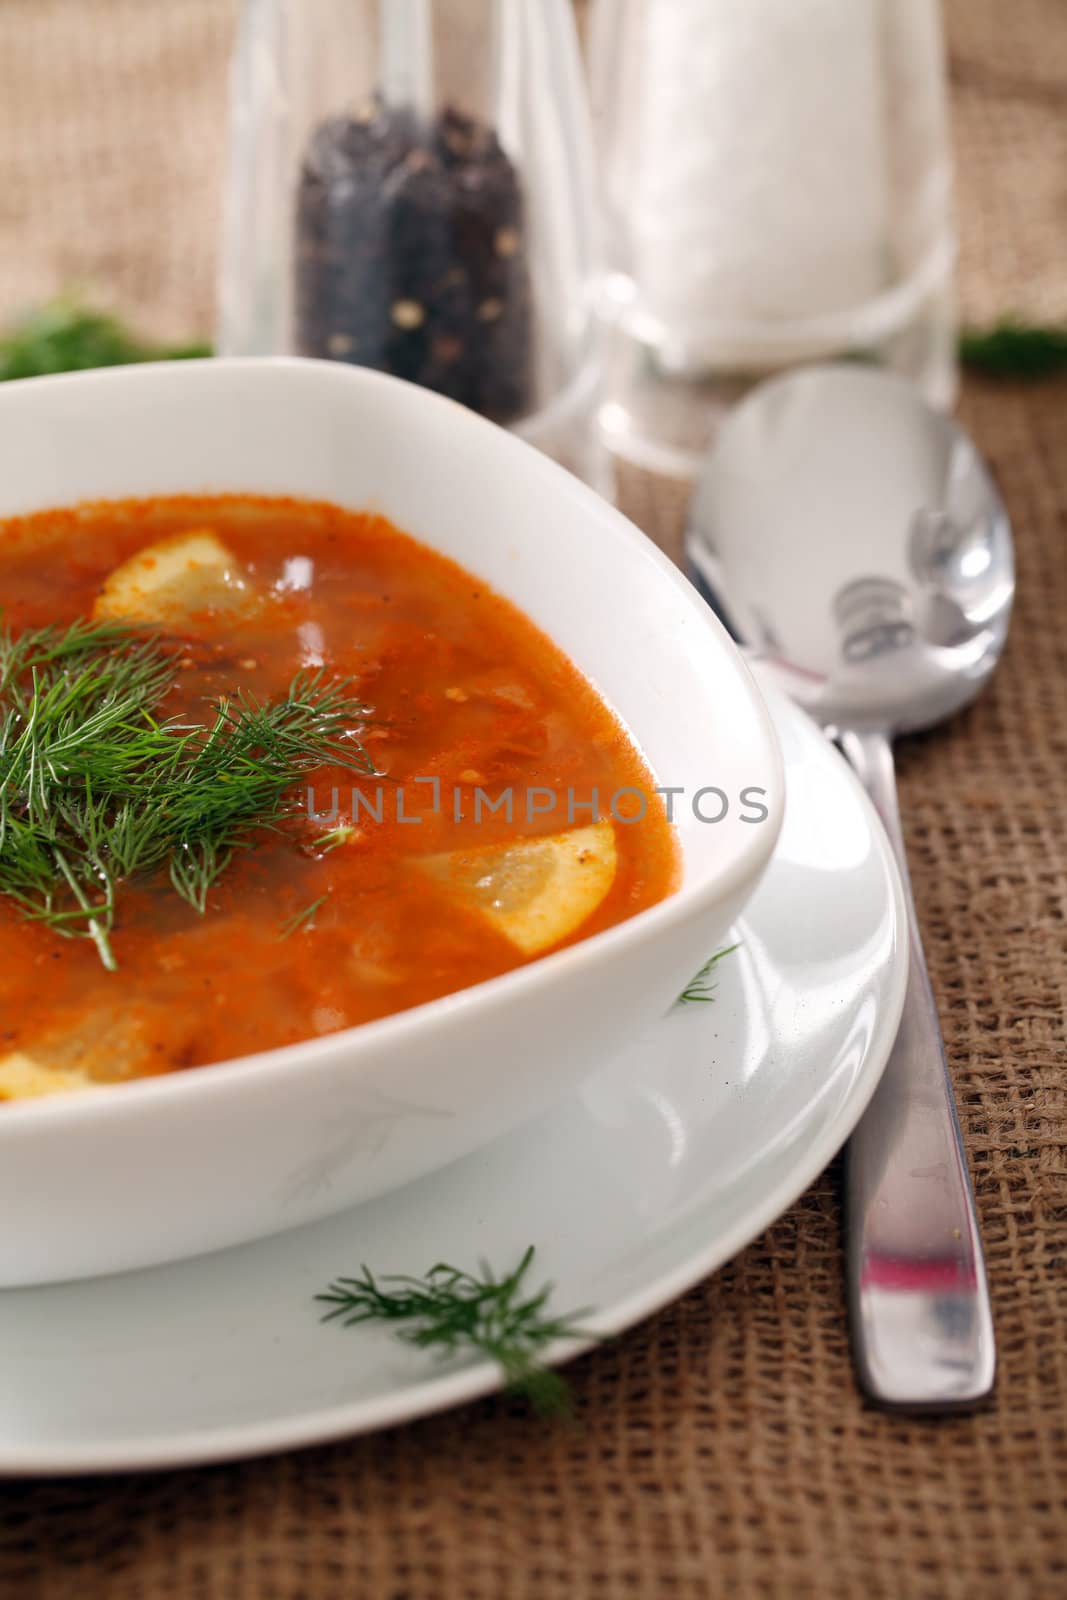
(721, 1448)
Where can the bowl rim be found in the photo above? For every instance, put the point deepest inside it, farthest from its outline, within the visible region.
(685, 903)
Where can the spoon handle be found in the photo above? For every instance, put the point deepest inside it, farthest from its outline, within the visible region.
(922, 1329)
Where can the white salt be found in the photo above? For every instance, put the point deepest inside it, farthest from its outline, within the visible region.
(759, 186)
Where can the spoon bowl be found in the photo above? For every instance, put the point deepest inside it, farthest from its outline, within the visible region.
(855, 539)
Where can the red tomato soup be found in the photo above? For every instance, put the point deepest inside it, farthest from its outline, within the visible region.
(409, 882)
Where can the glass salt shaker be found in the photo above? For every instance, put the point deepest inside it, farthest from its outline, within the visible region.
(410, 189)
(778, 190)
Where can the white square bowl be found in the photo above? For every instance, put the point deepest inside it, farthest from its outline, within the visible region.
(109, 1179)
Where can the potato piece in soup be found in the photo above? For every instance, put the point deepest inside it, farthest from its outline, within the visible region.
(174, 578)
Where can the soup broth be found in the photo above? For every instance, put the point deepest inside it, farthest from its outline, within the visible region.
(483, 838)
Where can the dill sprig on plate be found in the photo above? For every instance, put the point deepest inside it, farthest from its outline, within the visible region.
(453, 1312)
(702, 986)
(96, 788)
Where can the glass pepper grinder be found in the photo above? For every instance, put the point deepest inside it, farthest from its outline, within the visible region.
(410, 189)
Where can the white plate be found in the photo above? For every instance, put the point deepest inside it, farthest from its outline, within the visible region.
(667, 1163)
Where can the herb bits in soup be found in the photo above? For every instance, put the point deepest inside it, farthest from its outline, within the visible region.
(269, 770)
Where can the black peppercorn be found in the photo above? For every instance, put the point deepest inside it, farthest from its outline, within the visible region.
(411, 258)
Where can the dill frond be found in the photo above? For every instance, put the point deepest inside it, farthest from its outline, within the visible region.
(453, 1312)
(701, 988)
(96, 789)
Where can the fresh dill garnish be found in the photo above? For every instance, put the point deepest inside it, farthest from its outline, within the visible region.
(453, 1312)
(96, 788)
(65, 336)
(333, 839)
(702, 986)
(302, 918)
(1015, 349)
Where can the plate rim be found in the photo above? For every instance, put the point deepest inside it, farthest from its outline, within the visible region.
(434, 1394)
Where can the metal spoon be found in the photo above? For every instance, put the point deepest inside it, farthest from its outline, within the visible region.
(855, 540)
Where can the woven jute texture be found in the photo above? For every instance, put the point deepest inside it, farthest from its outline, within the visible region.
(721, 1448)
